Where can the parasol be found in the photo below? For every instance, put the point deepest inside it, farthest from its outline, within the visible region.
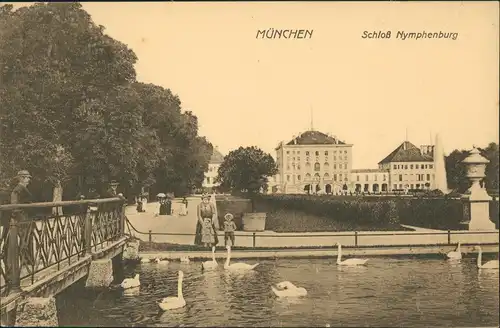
(161, 195)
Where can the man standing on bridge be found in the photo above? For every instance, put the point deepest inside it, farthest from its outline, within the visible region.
(21, 195)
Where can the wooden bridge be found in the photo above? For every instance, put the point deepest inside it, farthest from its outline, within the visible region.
(46, 247)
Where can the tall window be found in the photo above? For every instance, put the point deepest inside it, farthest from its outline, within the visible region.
(308, 176)
(287, 178)
(316, 167)
(298, 177)
(357, 177)
(326, 152)
(334, 177)
(317, 153)
(400, 177)
(326, 166)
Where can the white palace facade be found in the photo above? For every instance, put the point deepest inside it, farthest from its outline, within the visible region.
(315, 162)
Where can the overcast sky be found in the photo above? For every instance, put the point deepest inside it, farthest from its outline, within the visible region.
(369, 92)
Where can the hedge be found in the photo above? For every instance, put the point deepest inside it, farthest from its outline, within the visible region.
(380, 212)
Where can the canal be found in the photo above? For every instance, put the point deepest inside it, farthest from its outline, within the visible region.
(387, 292)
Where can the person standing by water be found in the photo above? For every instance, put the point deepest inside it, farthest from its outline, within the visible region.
(206, 234)
(184, 204)
(21, 195)
(229, 228)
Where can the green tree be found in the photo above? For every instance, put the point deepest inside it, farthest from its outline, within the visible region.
(55, 61)
(456, 172)
(246, 170)
(181, 156)
(492, 168)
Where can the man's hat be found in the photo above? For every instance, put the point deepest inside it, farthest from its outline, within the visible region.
(23, 173)
(228, 216)
(205, 195)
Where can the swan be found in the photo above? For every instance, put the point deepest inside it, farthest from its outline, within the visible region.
(237, 266)
(131, 282)
(456, 254)
(185, 259)
(212, 264)
(348, 261)
(288, 289)
(145, 260)
(493, 264)
(172, 302)
(159, 261)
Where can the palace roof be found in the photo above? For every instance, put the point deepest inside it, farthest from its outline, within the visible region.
(315, 138)
(406, 152)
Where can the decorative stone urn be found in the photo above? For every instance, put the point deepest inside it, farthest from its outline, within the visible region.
(254, 221)
(478, 197)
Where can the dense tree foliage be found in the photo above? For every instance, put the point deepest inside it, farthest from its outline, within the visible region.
(74, 115)
(246, 170)
(457, 172)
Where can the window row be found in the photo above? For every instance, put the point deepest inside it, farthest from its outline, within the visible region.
(326, 176)
(411, 166)
(317, 166)
(375, 177)
(420, 177)
(340, 158)
(316, 152)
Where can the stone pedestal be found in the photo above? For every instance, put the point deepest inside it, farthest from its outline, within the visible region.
(478, 197)
(100, 274)
(37, 312)
(131, 250)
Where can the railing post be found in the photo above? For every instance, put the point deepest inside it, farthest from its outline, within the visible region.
(88, 232)
(449, 237)
(122, 219)
(253, 239)
(13, 254)
(356, 238)
(150, 239)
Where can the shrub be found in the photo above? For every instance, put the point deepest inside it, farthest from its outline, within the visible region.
(377, 211)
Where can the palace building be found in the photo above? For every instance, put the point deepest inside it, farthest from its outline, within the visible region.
(410, 167)
(315, 162)
(213, 167)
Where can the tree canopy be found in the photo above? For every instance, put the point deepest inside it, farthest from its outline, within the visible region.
(456, 171)
(73, 113)
(246, 170)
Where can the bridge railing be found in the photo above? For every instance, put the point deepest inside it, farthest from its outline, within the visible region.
(38, 236)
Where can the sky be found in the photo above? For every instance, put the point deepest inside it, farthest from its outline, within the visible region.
(372, 93)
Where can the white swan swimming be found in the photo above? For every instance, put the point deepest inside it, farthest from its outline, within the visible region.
(456, 254)
(493, 264)
(288, 289)
(145, 260)
(348, 261)
(131, 282)
(159, 261)
(211, 264)
(172, 302)
(237, 266)
(185, 259)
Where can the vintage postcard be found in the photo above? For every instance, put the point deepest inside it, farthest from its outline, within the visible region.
(250, 164)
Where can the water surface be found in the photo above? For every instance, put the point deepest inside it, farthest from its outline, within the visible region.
(387, 292)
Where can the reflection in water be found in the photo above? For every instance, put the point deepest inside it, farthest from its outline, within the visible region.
(386, 292)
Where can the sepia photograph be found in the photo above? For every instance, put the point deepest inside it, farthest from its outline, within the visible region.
(249, 164)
